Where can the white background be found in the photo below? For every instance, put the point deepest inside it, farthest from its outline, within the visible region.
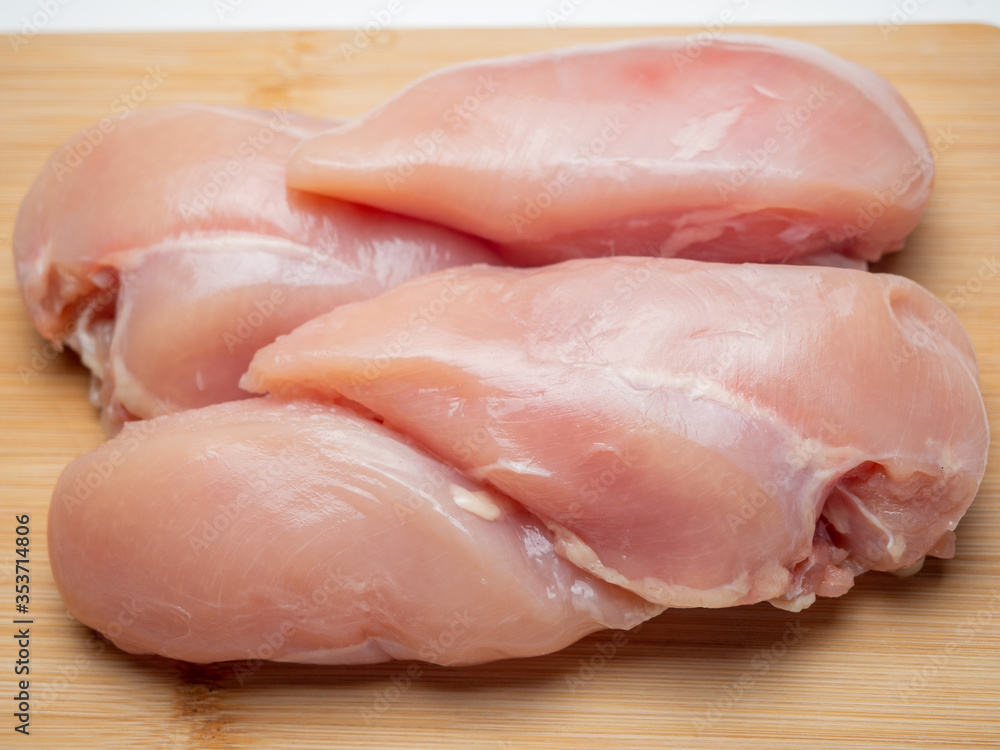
(33, 16)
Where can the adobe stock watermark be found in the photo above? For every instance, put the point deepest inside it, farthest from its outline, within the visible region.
(308, 606)
(959, 297)
(597, 485)
(264, 308)
(605, 314)
(94, 136)
(711, 382)
(419, 321)
(913, 169)
(428, 146)
(916, 340)
(783, 480)
(761, 663)
(223, 8)
(416, 500)
(50, 691)
(899, 16)
(927, 331)
(134, 435)
(561, 13)
(577, 167)
(33, 25)
(42, 357)
(371, 31)
(437, 481)
(713, 30)
(245, 153)
(246, 325)
(267, 477)
(924, 333)
(972, 626)
(786, 127)
(383, 699)
(468, 446)
(757, 325)
(603, 652)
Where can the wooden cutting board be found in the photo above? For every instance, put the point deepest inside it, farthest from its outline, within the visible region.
(895, 663)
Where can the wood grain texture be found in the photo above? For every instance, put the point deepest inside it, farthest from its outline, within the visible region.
(895, 663)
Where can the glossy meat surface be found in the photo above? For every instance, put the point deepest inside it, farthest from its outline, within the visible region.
(739, 148)
(301, 532)
(704, 434)
(166, 249)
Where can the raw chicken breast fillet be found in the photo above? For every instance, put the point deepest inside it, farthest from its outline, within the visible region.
(298, 532)
(740, 148)
(702, 434)
(166, 249)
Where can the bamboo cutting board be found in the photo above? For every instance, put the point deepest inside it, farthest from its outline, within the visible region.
(895, 663)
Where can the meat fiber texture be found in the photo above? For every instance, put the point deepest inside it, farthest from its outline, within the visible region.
(701, 434)
(754, 149)
(260, 529)
(166, 249)
(563, 450)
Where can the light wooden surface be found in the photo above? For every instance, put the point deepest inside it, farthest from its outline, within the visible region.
(895, 663)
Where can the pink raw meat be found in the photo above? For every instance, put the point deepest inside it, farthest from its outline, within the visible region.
(302, 532)
(171, 250)
(740, 148)
(702, 434)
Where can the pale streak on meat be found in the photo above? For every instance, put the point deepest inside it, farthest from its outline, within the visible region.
(167, 248)
(703, 434)
(739, 148)
(301, 532)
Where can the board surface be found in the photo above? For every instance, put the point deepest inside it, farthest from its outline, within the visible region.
(895, 663)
